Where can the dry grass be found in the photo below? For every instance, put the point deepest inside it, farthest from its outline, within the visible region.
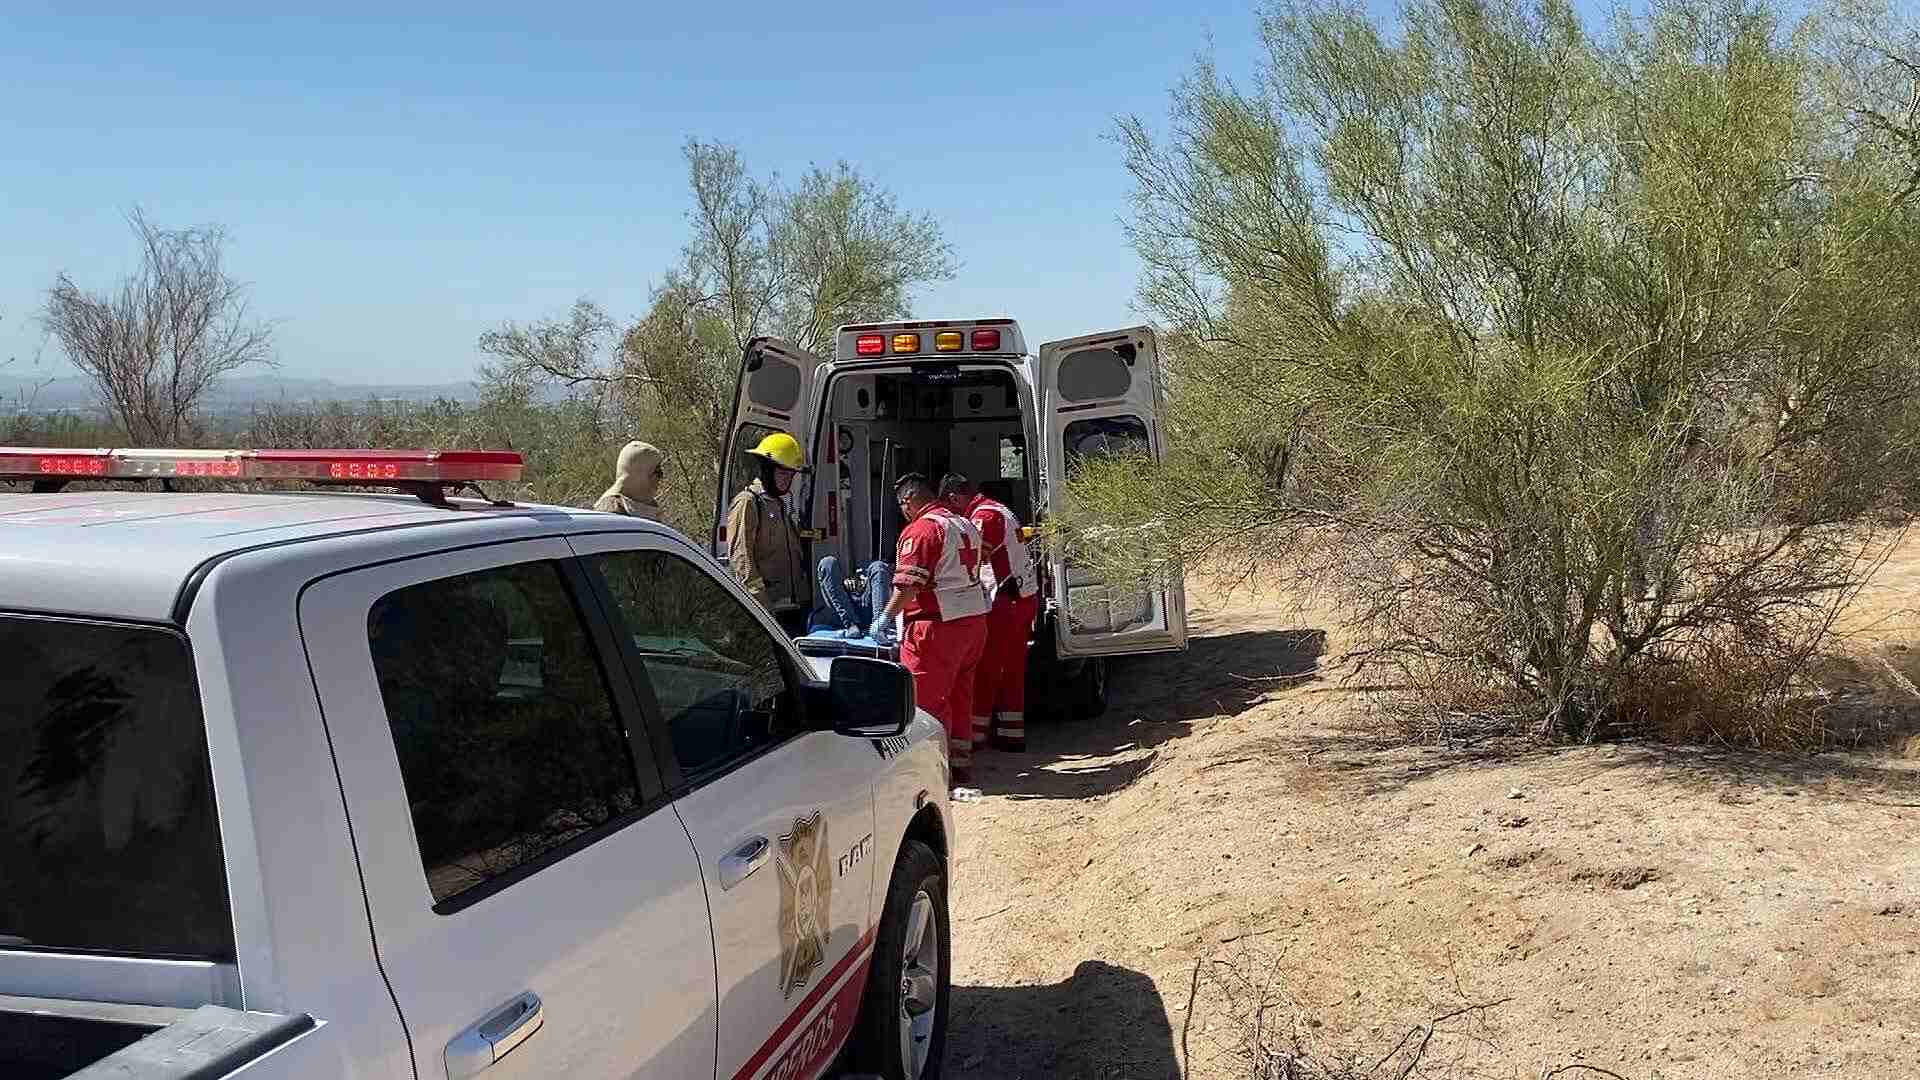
(1862, 692)
(1652, 911)
(1246, 813)
(1722, 701)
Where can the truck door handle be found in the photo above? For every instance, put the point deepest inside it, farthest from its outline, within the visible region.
(739, 864)
(493, 1038)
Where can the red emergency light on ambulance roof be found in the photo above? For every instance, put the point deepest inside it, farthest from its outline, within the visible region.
(986, 341)
(368, 467)
(870, 344)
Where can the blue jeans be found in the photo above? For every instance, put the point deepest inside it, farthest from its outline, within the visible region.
(841, 611)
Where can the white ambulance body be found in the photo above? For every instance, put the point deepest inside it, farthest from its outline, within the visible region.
(964, 395)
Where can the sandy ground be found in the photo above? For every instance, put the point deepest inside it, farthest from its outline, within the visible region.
(1230, 846)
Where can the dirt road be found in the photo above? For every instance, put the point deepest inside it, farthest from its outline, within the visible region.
(1230, 847)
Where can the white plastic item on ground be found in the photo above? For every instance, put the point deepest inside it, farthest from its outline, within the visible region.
(966, 794)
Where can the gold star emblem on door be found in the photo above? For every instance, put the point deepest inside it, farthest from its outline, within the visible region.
(806, 895)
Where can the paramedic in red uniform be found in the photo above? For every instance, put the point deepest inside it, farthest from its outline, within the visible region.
(1000, 685)
(937, 594)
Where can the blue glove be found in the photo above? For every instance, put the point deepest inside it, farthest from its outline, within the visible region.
(882, 629)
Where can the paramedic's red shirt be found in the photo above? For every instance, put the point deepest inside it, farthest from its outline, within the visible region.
(990, 518)
(922, 543)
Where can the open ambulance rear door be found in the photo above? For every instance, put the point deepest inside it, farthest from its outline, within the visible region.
(774, 392)
(1100, 394)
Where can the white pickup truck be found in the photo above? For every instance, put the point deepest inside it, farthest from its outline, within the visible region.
(326, 784)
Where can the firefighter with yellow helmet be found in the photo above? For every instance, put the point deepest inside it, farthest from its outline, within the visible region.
(764, 548)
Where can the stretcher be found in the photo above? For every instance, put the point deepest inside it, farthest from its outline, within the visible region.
(836, 643)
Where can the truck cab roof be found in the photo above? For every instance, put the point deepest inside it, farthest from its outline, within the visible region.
(136, 554)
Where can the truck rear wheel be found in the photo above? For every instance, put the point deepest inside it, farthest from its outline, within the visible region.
(903, 1022)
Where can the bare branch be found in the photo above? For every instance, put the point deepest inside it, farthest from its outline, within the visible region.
(156, 347)
(1578, 1067)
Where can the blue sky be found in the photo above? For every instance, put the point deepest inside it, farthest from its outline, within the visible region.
(392, 189)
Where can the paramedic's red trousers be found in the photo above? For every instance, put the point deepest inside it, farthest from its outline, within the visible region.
(943, 657)
(1000, 687)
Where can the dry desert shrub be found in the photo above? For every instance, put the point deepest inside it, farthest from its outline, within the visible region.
(1257, 1028)
(1488, 320)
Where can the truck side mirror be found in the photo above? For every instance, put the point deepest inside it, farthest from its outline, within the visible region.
(869, 699)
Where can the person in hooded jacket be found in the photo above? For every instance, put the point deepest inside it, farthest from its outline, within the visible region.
(637, 475)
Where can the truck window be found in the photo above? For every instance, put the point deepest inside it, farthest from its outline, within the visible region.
(714, 669)
(109, 840)
(508, 741)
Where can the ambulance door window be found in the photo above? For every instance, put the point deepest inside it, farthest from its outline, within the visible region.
(1095, 375)
(1106, 436)
(775, 386)
(1092, 607)
(1013, 457)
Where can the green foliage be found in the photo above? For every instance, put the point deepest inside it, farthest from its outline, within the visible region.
(566, 443)
(762, 259)
(1557, 354)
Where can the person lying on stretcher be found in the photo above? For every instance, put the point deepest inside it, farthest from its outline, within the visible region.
(848, 605)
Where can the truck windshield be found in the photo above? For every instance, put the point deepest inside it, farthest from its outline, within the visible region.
(108, 836)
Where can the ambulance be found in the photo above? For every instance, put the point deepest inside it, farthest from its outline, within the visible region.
(964, 395)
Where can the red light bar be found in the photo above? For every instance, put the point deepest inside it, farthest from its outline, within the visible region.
(200, 464)
(30, 461)
(870, 345)
(371, 467)
(376, 466)
(986, 340)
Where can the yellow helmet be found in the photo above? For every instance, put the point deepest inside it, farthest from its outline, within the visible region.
(783, 450)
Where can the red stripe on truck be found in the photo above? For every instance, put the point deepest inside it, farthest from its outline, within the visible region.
(822, 1038)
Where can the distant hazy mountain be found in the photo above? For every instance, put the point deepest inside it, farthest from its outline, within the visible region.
(71, 393)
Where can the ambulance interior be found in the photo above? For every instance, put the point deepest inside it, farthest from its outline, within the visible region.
(880, 426)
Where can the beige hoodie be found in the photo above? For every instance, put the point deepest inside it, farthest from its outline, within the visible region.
(634, 483)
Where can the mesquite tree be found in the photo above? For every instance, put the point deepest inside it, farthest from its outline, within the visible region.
(154, 347)
(1567, 357)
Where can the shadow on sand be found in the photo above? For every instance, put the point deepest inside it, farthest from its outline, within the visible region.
(1367, 763)
(1152, 700)
(1102, 1022)
(1157, 699)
